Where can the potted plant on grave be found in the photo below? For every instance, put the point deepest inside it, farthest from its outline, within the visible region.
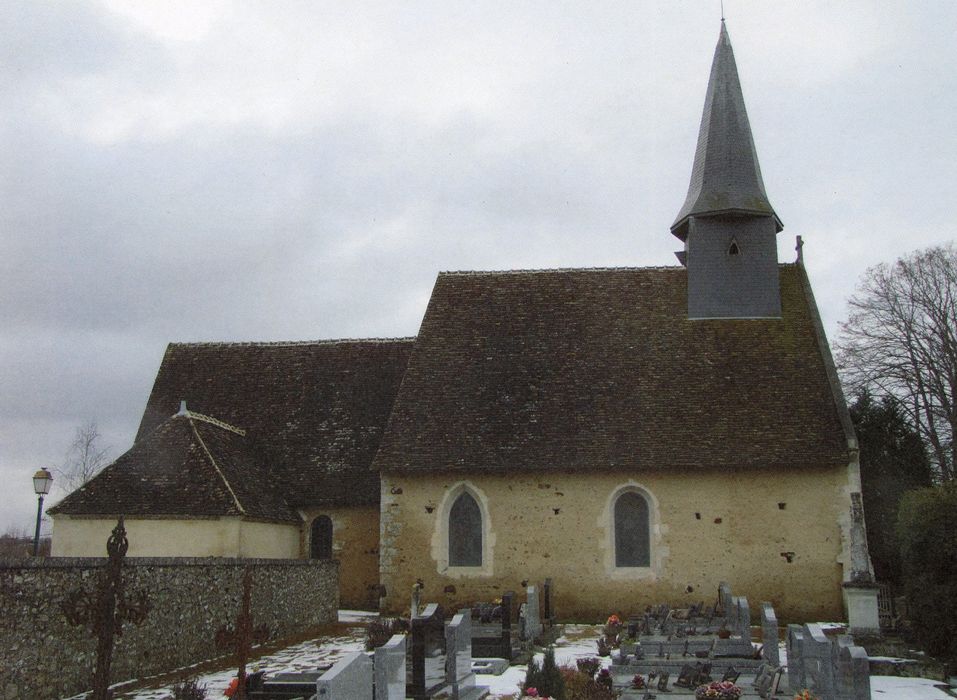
(612, 630)
(589, 666)
(718, 690)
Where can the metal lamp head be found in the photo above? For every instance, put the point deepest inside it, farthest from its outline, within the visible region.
(42, 481)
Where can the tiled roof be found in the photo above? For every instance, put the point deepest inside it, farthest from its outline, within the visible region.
(314, 410)
(601, 369)
(188, 466)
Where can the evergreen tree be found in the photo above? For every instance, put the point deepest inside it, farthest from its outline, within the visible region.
(893, 461)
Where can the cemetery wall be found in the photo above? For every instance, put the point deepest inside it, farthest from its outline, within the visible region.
(773, 535)
(177, 537)
(43, 657)
(355, 543)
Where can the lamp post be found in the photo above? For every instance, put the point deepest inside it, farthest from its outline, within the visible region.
(42, 481)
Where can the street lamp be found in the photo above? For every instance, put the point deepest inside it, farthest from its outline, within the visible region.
(42, 481)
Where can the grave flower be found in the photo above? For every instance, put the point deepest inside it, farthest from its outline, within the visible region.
(588, 666)
(805, 695)
(718, 690)
(638, 682)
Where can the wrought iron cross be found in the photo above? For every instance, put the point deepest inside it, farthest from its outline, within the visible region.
(241, 637)
(106, 609)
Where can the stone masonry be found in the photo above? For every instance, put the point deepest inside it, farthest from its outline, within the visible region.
(43, 657)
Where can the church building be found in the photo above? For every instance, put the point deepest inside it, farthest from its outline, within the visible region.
(636, 434)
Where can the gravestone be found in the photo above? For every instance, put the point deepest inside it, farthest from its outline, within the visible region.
(724, 597)
(458, 659)
(349, 679)
(731, 615)
(390, 669)
(428, 653)
(548, 591)
(853, 676)
(769, 635)
(743, 618)
(818, 663)
(795, 645)
(533, 622)
(493, 639)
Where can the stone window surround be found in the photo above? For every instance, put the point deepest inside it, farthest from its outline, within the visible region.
(606, 523)
(440, 534)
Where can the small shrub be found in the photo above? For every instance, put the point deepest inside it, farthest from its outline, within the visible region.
(380, 631)
(581, 686)
(189, 689)
(546, 679)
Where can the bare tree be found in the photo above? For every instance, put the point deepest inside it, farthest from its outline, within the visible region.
(85, 458)
(900, 341)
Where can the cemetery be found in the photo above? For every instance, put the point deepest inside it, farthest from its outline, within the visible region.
(490, 649)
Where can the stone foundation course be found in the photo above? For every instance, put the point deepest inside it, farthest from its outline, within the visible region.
(43, 657)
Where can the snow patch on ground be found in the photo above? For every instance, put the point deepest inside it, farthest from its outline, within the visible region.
(577, 642)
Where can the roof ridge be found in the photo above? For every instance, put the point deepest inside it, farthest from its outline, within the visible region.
(212, 421)
(294, 343)
(218, 470)
(545, 270)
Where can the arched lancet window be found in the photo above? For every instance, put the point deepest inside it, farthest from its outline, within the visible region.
(632, 531)
(465, 532)
(320, 543)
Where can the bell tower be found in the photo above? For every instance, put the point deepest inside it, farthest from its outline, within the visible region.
(727, 224)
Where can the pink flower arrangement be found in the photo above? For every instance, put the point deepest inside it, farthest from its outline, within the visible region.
(532, 694)
(613, 621)
(718, 690)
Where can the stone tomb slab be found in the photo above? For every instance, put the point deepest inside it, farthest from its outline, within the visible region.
(349, 679)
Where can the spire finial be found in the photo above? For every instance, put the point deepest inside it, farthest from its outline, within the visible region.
(722, 10)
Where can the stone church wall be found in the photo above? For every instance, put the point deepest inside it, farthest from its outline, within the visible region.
(355, 543)
(773, 535)
(43, 657)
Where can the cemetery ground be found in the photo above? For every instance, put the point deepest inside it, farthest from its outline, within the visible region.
(328, 644)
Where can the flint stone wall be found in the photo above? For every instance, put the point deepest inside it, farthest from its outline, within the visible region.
(43, 657)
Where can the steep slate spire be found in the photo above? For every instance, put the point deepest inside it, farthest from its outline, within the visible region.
(726, 178)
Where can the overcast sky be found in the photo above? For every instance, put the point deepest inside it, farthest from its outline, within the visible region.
(187, 170)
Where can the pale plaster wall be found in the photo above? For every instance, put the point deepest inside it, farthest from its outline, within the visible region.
(355, 543)
(705, 528)
(214, 537)
(269, 540)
